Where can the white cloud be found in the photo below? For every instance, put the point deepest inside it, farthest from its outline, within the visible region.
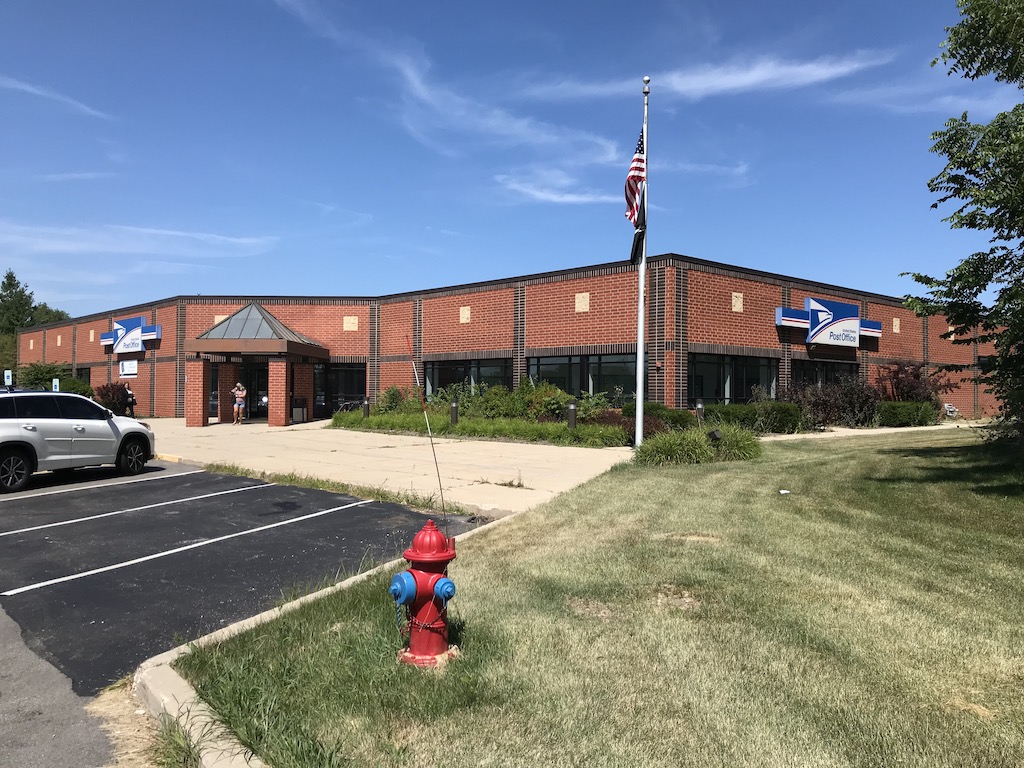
(939, 97)
(704, 81)
(19, 240)
(81, 176)
(12, 84)
(551, 186)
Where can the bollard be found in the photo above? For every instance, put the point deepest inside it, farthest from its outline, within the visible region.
(366, 408)
(571, 412)
(455, 412)
(700, 412)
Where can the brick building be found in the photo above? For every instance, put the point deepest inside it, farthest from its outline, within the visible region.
(714, 332)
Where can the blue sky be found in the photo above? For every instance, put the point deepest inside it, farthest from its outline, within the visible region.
(323, 147)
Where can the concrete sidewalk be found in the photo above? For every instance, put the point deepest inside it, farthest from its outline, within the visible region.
(485, 477)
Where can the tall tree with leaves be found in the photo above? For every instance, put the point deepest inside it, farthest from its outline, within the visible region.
(984, 178)
(15, 304)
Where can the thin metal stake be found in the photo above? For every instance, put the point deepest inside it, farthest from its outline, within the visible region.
(423, 404)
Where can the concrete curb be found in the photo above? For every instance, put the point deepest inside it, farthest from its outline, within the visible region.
(167, 695)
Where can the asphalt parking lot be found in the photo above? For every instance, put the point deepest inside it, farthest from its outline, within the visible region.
(103, 572)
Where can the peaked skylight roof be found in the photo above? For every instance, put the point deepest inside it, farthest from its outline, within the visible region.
(254, 322)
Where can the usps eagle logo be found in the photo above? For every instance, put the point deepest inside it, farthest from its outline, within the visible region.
(832, 322)
(130, 335)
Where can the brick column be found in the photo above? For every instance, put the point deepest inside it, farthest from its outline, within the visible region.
(279, 405)
(302, 386)
(227, 377)
(197, 390)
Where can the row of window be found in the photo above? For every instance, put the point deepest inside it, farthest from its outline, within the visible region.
(712, 378)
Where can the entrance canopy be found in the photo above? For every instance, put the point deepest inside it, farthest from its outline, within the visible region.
(254, 331)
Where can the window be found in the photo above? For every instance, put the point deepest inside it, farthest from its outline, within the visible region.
(730, 378)
(7, 408)
(586, 373)
(439, 374)
(37, 407)
(822, 371)
(338, 386)
(80, 410)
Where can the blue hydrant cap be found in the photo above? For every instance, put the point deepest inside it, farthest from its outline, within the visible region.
(444, 589)
(403, 588)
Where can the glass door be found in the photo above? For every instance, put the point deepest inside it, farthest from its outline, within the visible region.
(255, 377)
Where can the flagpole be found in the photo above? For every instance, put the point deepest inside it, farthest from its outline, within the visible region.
(642, 277)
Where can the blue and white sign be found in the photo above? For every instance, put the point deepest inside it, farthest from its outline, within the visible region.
(129, 335)
(128, 369)
(832, 323)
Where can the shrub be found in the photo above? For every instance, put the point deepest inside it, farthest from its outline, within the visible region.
(892, 413)
(773, 417)
(743, 414)
(690, 446)
(588, 406)
(76, 385)
(113, 396)
(849, 402)
(736, 444)
(673, 418)
(395, 400)
(912, 382)
(500, 402)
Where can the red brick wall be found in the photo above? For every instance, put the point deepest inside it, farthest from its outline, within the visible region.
(712, 321)
(91, 352)
(30, 348)
(227, 377)
(167, 319)
(140, 385)
(325, 324)
(908, 343)
(279, 407)
(944, 350)
(197, 388)
(396, 328)
(490, 323)
(396, 374)
(552, 319)
(166, 382)
(63, 352)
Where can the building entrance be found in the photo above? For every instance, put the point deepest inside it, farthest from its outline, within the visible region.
(254, 377)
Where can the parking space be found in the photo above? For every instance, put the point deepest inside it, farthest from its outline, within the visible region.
(102, 573)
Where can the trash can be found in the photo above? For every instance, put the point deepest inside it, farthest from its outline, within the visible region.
(299, 412)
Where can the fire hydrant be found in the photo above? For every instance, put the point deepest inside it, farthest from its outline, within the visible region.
(425, 589)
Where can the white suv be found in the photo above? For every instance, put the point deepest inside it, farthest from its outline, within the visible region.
(59, 431)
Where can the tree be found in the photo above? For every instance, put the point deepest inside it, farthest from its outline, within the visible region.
(982, 177)
(15, 304)
(43, 314)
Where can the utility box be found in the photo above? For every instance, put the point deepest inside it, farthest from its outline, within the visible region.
(300, 413)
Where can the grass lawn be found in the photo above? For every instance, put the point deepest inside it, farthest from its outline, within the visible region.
(685, 616)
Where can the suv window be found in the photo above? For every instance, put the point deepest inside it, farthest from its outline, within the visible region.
(37, 407)
(6, 407)
(76, 408)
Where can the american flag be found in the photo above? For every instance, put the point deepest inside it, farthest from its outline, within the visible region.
(634, 181)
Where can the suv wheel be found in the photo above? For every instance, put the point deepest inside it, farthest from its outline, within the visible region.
(15, 470)
(132, 458)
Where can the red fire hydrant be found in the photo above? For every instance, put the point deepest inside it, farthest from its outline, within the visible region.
(425, 589)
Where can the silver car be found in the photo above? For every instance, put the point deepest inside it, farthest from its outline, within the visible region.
(60, 431)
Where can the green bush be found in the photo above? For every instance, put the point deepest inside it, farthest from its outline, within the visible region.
(736, 444)
(690, 446)
(395, 400)
(75, 385)
(557, 433)
(674, 419)
(903, 414)
(743, 414)
(773, 417)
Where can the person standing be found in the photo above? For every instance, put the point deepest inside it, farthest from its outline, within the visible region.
(239, 394)
(131, 401)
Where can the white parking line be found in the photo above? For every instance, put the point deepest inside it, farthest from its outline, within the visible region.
(75, 488)
(106, 568)
(133, 509)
